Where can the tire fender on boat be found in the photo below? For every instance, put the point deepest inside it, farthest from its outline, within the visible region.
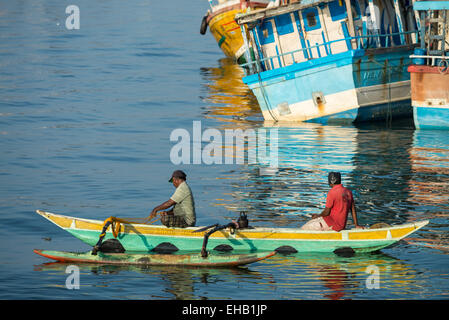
(203, 27)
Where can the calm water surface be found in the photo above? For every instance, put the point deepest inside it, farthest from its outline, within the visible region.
(85, 123)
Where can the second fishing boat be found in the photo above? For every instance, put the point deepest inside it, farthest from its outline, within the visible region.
(331, 60)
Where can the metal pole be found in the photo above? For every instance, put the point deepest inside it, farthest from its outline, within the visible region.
(351, 23)
(397, 9)
(374, 20)
(247, 53)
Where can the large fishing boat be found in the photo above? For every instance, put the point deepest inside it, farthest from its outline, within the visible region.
(429, 72)
(319, 61)
(220, 19)
(145, 238)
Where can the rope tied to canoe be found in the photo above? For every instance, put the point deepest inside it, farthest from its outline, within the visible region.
(115, 224)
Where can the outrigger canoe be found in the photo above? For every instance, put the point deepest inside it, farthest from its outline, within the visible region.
(191, 260)
(144, 238)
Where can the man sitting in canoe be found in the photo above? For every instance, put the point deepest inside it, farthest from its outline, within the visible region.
(183, 212)
(338, 203)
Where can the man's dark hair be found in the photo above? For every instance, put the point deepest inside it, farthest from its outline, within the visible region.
(334, 178)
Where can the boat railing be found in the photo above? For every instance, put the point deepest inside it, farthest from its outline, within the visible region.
(362, 42)
(433, 59)
(442, 62)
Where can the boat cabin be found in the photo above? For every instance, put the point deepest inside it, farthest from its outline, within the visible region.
(434, 33)
(313, 29)
(429, 71)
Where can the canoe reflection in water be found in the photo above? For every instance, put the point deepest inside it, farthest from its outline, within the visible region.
(319, 276)
(178, 282)
(315, 276)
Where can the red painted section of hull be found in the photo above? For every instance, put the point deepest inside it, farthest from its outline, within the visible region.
(428, 83)
(422, 69)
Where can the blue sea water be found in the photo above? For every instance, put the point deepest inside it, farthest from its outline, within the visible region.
(85, 122)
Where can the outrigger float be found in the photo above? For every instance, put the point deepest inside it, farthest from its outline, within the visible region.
(145, 238)
(190, 260)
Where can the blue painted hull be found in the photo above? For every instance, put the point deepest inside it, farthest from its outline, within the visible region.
(353, 86)
(381, 112)
(431, 118)
(430, 97)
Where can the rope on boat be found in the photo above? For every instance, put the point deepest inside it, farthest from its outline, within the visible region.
(115, 224)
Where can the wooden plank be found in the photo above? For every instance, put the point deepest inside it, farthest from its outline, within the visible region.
(271, 12)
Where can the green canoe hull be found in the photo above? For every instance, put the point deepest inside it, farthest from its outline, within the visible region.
(139, 243)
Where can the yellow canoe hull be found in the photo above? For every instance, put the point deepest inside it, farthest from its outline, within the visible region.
(140, 237)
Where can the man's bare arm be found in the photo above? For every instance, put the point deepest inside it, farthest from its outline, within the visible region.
(167, 204)
(354, 216)
(324, 213)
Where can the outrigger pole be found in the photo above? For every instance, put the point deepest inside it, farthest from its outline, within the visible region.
(231, 225)
(241, 223)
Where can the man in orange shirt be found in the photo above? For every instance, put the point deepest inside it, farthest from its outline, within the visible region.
(338, 203)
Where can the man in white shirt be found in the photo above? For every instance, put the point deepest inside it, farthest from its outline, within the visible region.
(182, 214)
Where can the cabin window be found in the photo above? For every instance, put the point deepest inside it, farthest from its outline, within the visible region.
(311, 19)
(337, 9)
(283, 24)
(265, 32)
(355, 9)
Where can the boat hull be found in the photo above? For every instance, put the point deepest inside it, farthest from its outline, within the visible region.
(353, 86)
(193, 260)
(226, 31)
(144, 238)
(430, 97)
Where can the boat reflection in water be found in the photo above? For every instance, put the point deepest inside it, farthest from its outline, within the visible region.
(429, 186)
(228, 98)
(315, 276)
(181, 283)
(430, 164)
(324, 276)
